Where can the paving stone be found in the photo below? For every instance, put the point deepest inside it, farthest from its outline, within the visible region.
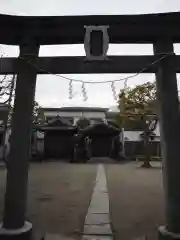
(88, 237)
(101, 183)
(104, 229)
(97, 222)
(99, 203)
(97, 219)
(101, 188)
(100, 195)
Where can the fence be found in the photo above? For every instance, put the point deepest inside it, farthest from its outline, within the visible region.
(135, 148)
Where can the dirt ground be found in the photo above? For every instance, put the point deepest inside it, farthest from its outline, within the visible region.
(136, 201)
(58, 198)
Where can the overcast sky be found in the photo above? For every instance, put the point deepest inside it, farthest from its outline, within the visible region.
(52, 91)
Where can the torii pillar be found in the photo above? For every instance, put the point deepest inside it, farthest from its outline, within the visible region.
(14, 225)
(169, 109)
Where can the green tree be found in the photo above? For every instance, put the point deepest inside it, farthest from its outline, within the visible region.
(83, 123)
(136, 103)
(137, 110)
(138, 100)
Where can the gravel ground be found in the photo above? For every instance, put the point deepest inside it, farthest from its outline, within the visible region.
(58, 198)
(136, 201)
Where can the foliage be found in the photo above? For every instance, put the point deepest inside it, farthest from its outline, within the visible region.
(38, 115)
(114, 124)
(137, 105)
(83, 123)
(130, 123)
(140, 99)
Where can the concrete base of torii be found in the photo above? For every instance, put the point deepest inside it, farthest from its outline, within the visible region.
(165, 235)
(24, 233)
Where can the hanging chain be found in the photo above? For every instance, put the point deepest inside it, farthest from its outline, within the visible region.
(84, 93)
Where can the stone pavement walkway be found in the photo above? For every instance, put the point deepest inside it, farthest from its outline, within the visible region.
(97, 223)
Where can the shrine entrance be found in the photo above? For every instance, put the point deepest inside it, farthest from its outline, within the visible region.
(96, 32)
(58, 140)
(101, 140)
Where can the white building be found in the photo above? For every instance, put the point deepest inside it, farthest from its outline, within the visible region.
(73, 114)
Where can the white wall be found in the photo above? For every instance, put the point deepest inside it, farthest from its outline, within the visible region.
(75, 114)
(157, 130)
(132, 135)
(135, 135)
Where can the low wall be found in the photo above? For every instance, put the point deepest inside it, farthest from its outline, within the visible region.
(134, 148)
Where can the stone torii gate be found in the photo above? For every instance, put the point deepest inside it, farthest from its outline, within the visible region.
(162, 30)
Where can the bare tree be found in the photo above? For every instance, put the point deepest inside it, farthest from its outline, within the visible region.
(6, 94)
